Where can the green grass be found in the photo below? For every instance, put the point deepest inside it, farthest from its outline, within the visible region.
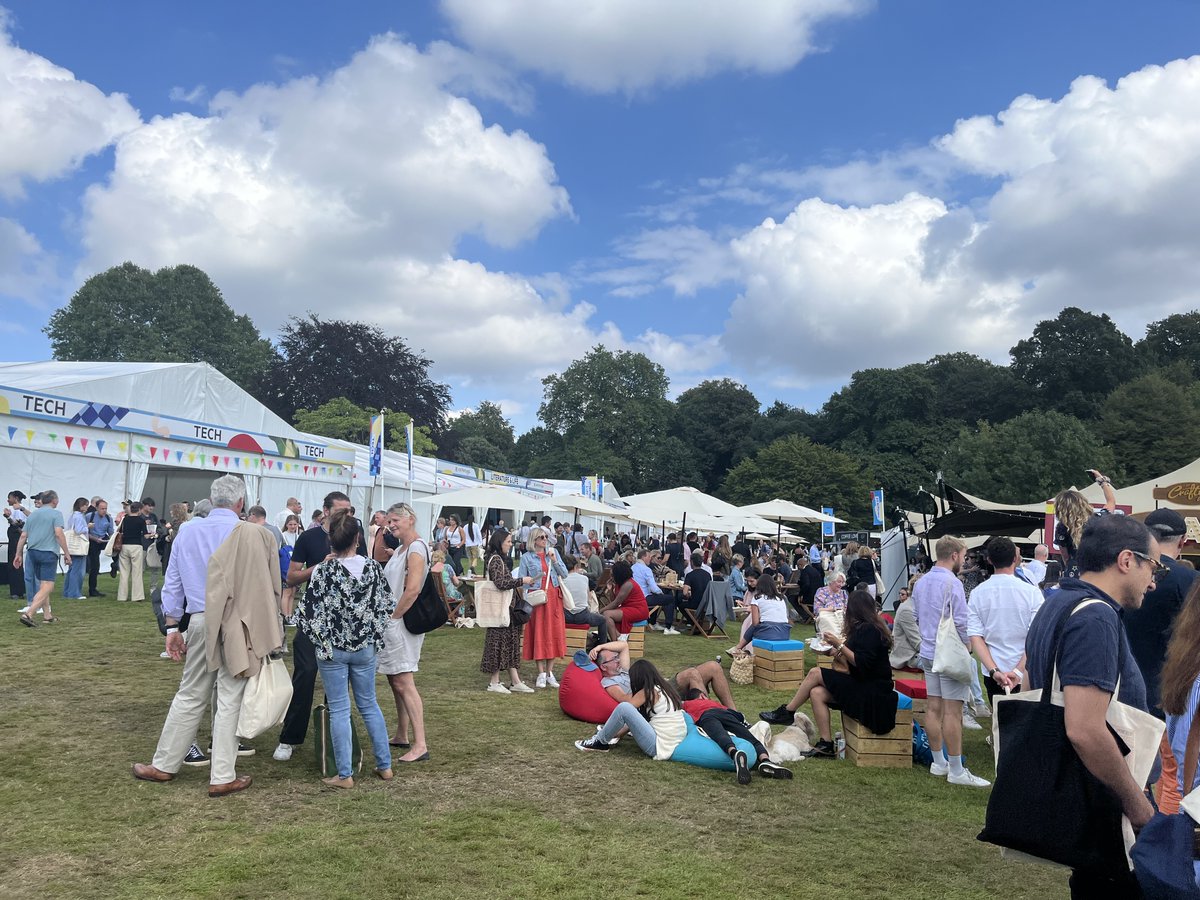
(506, 808)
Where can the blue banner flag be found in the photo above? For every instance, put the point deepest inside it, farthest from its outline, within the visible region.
(877, 506)
(827, 527)
(376, 446)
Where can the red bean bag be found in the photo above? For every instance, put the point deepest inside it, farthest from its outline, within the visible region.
(581, 696)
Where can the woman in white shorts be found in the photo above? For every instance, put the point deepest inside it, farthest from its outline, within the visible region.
(401, 654)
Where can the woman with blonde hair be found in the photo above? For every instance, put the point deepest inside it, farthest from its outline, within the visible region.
(401, 654)
(546, 633)
(1072, 510)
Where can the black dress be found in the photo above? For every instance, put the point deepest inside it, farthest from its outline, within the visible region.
(866, 693)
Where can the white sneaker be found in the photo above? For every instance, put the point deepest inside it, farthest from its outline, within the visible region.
(969, 722)
(519, 687)
(982, 711)
(541, 680)
(283, 752)
(624, 637)
(939, 769)
(670, 631)
(496, 687)
(23, 610)
(551, 680)
(657, 627)
(968, 780)
(164, 655)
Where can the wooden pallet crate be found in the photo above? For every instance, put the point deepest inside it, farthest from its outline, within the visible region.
(887, 751)
(778, 670)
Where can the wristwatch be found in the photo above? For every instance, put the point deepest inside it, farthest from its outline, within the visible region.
(172, 629)
(992, 673)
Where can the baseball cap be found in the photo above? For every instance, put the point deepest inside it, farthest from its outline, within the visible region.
(1166, 523)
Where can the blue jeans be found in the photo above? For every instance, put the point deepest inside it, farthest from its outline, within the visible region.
(73, 586)
(31, 582)
(627, 715)
(355, 670)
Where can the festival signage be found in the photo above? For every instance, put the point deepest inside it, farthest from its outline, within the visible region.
(102, 417)
(1184, 492)
(487, 476)
(828, 528)
(877, 507)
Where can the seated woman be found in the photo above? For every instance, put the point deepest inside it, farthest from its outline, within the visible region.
(863, 691)
(628, 603)
(831, 597)
(737, 579)
(768, 619)
(450, 582)
(344, 613)
(653, 715)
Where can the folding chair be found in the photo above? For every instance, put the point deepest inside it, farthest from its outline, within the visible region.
(717, 605)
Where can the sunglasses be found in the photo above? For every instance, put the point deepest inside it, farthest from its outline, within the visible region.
(1156, 566)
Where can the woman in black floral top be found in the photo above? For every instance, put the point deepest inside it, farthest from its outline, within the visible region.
(343, 613)
(502, 646)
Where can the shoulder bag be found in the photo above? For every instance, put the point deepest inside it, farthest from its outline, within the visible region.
(538, 597)
(951, 658)
(77, 544)
(326, 760)
(1045, 805)
(265, 702)
(428, 611)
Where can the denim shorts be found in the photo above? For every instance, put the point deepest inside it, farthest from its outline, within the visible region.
(45, 564)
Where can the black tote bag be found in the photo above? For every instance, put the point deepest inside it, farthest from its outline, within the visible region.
(428, 611)
(1044, 801)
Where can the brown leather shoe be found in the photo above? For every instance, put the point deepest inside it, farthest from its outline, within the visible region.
(230, 787)
(146, 772)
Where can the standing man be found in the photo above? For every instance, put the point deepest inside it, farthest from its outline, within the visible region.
(100, 529)
(312, 548)
(937, 592)
(42, 537)
(1117, 559)
(258, 516)
(291, 508)
(998, 619)
(1149, 631)
(185, 595)
(1034, 571)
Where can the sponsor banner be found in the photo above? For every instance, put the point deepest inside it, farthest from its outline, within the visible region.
(827, 528)
(376, 446)
(487, 476)
(110, 421)
(877, 507)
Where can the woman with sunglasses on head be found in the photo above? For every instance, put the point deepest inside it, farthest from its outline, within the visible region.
(546, 633)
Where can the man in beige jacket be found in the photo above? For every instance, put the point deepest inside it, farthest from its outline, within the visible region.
(224, 573)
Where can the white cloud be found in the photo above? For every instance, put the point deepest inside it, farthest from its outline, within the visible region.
(630, 45)
(27, 273)
(192, 97)
(50, 121)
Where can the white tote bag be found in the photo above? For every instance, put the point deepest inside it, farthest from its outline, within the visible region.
(951, 659)
(492, 605)
(266, 699)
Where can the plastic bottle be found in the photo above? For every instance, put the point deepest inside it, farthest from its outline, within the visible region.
(839, 744)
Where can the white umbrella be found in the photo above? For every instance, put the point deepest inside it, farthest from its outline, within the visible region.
(785, 511)
(581, 505)
(682, 501)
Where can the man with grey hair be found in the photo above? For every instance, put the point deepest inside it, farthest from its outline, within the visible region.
(291, 508)
(42, 536)
(183, 602)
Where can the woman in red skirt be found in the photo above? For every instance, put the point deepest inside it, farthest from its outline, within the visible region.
(546, 633)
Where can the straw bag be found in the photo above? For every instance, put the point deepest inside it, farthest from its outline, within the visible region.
(741, 670)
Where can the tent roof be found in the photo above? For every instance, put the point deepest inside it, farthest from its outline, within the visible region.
(194, 391)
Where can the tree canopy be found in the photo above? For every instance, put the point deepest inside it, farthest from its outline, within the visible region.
(320, 360)
(481, 437)
(341, 419)
(176, 314)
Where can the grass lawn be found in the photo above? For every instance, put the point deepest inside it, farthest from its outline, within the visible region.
(505, 808)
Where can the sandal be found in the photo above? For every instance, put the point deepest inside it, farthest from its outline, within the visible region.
(26, 620)
(50, 620)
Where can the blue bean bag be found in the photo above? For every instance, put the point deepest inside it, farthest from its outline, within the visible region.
(697, 750)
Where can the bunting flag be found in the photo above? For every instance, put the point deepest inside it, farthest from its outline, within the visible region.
(179, 456)
(11, 431)
(83, 442)
(100, 446)
(227, 461)
(153, 450)
(53, 436)
(68, 440)
(238, 463)
(306, 470)
(29, 436)
(121, 445)
(214, 459)
(140, 448)
(191, 457)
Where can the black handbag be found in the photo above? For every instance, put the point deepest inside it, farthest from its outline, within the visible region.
(1044, 801)
(428, 611)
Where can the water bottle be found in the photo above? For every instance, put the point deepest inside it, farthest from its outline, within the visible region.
(839, 745)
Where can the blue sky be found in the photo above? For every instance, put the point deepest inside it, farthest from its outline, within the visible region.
(780, 193)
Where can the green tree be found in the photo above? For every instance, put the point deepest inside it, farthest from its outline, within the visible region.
(321, 360)
(1075, 360)
(794, 468)
(176, 314)
(342, 420)
(969, 389)
(601, 387)
(1027, 459)
(874, 399)
(486, 424)
(533, 448)
(474, 450)
(1151, 424)
(708, 419)
(1175, 339)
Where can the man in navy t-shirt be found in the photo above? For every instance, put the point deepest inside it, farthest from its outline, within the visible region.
(1118, 558)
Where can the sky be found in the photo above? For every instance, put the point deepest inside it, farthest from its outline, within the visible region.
(780, 192)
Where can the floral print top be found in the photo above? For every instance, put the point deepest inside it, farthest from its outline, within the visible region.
(828, 598)
(341, 612)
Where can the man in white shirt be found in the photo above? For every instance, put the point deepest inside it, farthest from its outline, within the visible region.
(998, 618)
(1034, 571)
(291, 508)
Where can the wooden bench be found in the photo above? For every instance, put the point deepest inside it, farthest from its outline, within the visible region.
(577, 636)
(914, 688)
(637, 640)
(778, 665)
(885, 751)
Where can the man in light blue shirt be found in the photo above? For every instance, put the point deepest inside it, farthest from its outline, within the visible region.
(43, 536)
(184, 591)
(643, 576)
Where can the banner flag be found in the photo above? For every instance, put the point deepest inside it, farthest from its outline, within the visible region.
(827, 527)
(877, 506)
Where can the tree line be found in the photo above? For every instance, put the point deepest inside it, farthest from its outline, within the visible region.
(1077, 394)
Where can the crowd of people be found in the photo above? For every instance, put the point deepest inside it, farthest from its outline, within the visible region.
(1117, 614)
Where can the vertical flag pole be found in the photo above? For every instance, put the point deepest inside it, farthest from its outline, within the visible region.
(409, 434)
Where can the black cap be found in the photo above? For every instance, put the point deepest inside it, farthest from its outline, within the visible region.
(1166, 523)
